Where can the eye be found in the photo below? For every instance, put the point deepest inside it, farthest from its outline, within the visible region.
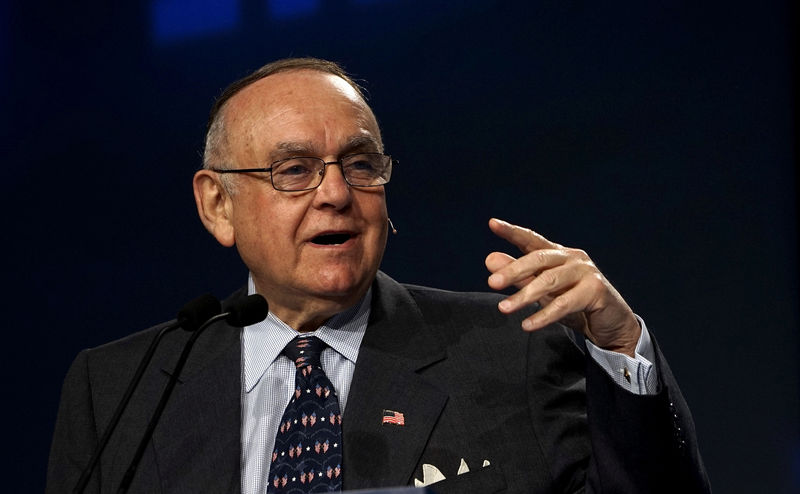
(295, 167)
(295, 170)
(362, 165)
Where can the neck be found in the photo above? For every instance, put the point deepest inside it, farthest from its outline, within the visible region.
(305, 314)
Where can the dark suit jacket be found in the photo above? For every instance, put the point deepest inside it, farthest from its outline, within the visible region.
(470, 383)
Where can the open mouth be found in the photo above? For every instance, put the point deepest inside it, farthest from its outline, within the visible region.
(331, 238)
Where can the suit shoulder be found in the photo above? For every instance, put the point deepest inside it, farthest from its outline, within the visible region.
(438, 296)
(130, 343)
(456, 313)
(475, 307)
(135, 343)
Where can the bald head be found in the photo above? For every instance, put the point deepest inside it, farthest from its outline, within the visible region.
(217, 152)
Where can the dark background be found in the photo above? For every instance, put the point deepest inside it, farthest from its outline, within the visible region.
(659, 138)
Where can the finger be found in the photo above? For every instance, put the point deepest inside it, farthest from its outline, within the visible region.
(570, 302)
(498, 260)
(552, 282)
(527, 267)
(526, 240)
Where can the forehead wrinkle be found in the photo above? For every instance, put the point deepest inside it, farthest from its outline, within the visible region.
(308, 148)
(286, 149)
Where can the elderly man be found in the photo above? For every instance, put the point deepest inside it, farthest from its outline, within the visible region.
(414, 386)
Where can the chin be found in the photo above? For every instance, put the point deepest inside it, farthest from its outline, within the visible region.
(338, 283)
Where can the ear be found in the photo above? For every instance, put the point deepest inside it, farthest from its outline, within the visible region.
(214, 206)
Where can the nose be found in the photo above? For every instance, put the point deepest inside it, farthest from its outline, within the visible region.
(333, 191)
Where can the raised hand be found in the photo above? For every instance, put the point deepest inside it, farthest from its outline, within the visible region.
(568, 286)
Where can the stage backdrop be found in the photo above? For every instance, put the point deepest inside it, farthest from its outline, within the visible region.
(657, 138)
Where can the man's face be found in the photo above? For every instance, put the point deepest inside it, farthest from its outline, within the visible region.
(281, 236)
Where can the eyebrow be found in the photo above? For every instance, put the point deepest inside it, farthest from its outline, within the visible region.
(353, 144)
(357, 143)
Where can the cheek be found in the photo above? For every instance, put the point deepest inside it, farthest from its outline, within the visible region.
(376, 214)
(264, 225)
(372, 205)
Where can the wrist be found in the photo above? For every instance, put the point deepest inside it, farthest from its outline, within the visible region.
(625, 339)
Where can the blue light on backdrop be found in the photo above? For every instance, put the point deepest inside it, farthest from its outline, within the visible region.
(174, 20)
(288, 9)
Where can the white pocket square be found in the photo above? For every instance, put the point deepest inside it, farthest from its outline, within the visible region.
(431, 474)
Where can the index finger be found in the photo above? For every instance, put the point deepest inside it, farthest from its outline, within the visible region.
(525, 239)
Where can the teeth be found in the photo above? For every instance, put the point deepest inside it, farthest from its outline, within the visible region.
(332, 239)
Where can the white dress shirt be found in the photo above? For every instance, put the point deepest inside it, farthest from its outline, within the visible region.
(268, 379)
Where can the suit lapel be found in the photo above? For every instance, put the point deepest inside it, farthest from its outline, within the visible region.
(396, 346)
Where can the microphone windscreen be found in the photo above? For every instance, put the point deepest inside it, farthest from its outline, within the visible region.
(198, 311)
(249, 311)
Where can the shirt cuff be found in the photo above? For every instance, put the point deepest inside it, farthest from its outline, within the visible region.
(635, 374)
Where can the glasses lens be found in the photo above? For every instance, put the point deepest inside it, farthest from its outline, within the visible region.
(369, 169)
(297, 173)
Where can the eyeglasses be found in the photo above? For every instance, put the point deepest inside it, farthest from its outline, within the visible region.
(306, 173)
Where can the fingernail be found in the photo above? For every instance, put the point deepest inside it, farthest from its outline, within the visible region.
(496, 279)
(527, 325)
(505, 305)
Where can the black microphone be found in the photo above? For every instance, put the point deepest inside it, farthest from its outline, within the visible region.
(198, 311)
(250, 310)
(190, 317)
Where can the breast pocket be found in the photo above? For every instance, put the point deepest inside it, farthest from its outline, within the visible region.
(486, 480)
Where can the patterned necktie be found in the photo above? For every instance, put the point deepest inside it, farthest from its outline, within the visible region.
(308, 447)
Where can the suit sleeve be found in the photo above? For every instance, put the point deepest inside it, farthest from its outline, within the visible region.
(75, 435)
(641, 443)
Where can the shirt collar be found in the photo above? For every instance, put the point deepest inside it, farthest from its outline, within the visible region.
(262, 343)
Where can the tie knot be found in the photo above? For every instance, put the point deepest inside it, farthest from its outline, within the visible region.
(305, 350)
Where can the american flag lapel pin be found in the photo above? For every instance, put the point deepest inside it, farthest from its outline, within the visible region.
(393, 417)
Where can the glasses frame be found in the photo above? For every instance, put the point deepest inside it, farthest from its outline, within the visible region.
(392, 162)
